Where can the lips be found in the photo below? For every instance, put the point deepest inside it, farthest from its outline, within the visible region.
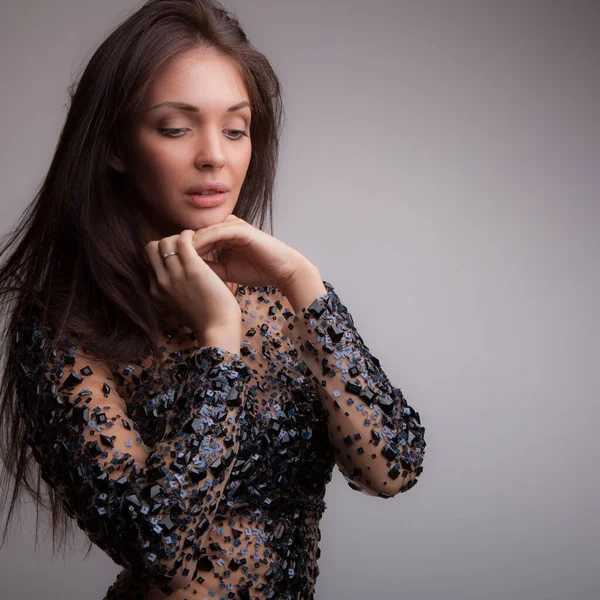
(209, 186)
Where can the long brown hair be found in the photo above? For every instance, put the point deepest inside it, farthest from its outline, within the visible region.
(77, 253)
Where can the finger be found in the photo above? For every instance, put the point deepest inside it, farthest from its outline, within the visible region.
(220, 225)
(188, 256)
(155, 260)
(221, 235)
(219, 268)
(169, 267)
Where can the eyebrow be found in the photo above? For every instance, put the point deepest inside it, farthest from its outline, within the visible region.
(191, 108)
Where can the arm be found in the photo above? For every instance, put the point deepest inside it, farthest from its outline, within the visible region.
(149, 508)
(378, 438)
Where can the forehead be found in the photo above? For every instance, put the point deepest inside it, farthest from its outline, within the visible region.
(201, 77)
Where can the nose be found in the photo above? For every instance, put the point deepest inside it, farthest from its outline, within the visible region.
(210, 151)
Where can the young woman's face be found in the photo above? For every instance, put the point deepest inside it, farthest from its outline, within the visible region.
(177, 149)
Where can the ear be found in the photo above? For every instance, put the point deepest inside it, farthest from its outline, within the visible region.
(117, 163)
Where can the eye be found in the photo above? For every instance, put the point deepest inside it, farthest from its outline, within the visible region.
(242, 133)
(168, 132)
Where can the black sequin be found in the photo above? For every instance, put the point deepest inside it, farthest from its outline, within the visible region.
(208, 481)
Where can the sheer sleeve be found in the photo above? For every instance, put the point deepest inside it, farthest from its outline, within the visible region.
(148, 508)
(378, 438)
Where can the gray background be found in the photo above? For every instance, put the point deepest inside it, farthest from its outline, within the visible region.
(440, 165)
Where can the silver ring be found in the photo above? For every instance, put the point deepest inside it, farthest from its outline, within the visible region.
(168, 254)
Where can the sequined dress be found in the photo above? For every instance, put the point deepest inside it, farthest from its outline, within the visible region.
(208, 479)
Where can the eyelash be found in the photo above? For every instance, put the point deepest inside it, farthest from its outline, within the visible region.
(165, 133)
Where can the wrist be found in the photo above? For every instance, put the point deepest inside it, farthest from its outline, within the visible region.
(229, 339)
(306, 285)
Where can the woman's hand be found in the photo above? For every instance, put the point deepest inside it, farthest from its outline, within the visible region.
(190, 290)
(251, 256)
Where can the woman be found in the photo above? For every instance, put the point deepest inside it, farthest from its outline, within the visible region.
(184, 380)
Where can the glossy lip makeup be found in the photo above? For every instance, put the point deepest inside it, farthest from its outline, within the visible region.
(207, 200)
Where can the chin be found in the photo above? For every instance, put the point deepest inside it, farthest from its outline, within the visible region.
(204, 217)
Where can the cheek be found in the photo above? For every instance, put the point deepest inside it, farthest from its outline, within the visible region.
(162, 162)
(242, 164)
(156, 158)
(156, 174)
